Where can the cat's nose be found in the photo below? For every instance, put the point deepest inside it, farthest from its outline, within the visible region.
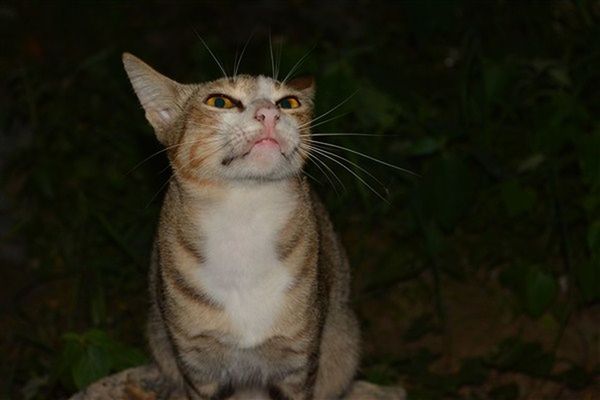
(267, 114)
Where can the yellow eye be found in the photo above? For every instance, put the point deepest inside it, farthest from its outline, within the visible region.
(288, 102)
(220, 101)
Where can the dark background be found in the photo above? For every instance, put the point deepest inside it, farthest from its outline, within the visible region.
(478, 280)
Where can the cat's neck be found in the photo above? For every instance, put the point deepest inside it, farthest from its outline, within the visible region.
(205, 192)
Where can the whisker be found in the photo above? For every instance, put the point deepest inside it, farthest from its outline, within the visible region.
(278, 62)
(237, 65)
(298, 64)
(219, 148)
(219, 64)
(347, 134)
(215, 140)
(319, 150)
(162, 151)
(271, 53)
(159, 190)
(328, 112)
(357, 177)
(235, 59)
(308, 175)
(186, 166)
(325, 121)
(367, 156)
(316, 161)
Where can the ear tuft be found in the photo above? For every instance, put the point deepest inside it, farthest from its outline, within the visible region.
(160, 96)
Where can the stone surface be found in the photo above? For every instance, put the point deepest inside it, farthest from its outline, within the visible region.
(140, 384)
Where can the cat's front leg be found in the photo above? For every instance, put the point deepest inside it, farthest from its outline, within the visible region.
(208, 391)
(299, 385)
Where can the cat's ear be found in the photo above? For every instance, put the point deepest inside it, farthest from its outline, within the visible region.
(304, 84)
(161, 97)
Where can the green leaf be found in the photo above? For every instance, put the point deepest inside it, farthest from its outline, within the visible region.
(93, 365)
(381, 374)
(534, 288)
(382, 117)
(531, 163)
(425, 146)
(72, 351)
(560, 75)
(125, 357)
(93, 354)
(496, 80)
(98, 338)
(529, 358)
(540, 292)
(517, 199)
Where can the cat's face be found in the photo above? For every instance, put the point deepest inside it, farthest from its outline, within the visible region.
(247, 128)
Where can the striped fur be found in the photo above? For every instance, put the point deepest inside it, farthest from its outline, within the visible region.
(249, 284)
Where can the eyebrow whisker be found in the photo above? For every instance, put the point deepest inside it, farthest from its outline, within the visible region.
(298, 64)
(219, 64)
(236, 65)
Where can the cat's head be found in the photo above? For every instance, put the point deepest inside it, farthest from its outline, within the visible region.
(250, 127)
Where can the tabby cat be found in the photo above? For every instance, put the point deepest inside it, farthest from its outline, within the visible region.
(249, 283)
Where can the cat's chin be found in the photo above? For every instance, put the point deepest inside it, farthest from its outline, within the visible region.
(265, 153)
(264, 160)
(261, 165)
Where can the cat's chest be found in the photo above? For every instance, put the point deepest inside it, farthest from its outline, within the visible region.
(241, 270)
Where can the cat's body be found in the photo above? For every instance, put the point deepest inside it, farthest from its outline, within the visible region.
(249, 283)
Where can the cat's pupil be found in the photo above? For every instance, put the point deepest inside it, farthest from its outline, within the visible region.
(285, 104)
(220, 102)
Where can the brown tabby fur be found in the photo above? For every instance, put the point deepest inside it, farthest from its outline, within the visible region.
(310, 348)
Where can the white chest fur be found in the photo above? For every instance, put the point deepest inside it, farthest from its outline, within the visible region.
(241, 270)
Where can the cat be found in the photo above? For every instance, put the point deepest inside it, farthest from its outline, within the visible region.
(249, 283)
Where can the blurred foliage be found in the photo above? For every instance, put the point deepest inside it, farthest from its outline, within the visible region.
(494, 105)
(87, 357)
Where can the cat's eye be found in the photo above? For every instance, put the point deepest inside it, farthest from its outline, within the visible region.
(289, 102)
(220, 101)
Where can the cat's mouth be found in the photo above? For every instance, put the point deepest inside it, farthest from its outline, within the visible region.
(266, 143)
(262, 144)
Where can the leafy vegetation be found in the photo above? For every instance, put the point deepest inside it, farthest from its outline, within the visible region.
(478, 279)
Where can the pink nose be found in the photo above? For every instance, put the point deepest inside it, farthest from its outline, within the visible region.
(268, 115)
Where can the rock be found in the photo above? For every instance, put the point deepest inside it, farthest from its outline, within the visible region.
(140, 384)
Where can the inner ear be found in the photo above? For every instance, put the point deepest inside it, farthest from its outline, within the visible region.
(302, 82)
(161, 97)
